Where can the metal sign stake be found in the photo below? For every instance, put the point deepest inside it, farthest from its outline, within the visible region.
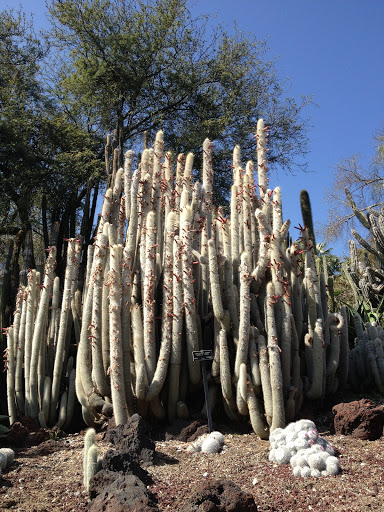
(205, 355)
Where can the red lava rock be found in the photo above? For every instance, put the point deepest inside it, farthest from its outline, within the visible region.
(363, 419)
(29, 423)
(132, 439)
(125, 494)
(121, 462)
(17, 435)
(186, 431)
(219, 496)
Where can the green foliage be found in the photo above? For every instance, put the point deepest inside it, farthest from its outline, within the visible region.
(333, 262)
(42, 151)
(140, 66)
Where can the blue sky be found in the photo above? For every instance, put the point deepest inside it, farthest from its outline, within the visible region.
(331, 49)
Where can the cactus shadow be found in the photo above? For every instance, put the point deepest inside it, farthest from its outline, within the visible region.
(162, 459)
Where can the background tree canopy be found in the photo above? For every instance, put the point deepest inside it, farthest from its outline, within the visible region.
(141, 66)
(129, 66)
(365, 183)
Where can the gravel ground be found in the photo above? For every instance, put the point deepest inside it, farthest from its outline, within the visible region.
(48, 477)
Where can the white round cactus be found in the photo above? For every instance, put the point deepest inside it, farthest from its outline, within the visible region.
(207, 443)
(300, 445)
(210, 445)
(7, 456)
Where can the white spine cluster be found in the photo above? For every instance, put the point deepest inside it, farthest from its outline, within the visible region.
(208, 443)
(299, 444)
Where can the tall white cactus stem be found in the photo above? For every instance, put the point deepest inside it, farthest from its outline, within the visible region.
(71, 272)
(204, 288)
(344, 351)
(31, 304)
(245, 312)
(239, 200)
(316, 390)
(84, 382)
(278, 412)
(177, 329)
(225, 369)
(88, 270)
(138, 351)
(117, 365)
(167, 311)
(254, 204)
(96, 288)
(296, 289)
(332, 328)
(145, 204)
(279, 276)
(235, 235)
(39, 330)
(230, 296)
(217, 304)
(149, 297)
(256, 415)
(265, 377)
(17, 316)
(106, 210)
(188, 294)
(180, 165)
(261, 158)
(10, 365)
(286, 348)
(264, 236)
(168, 186)
(115, 205)
(207, 186)
(121, 224)
(130, 241)
(310, 278)
(186, 192)
(247, 220)
(157, 184)
(236, 158)
(105, 315)
(241, 390)
(19, 375)
(254, 360)
(89, 442)
(128, 163)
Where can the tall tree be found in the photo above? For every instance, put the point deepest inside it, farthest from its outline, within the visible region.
(46, 158)
(365, 186)
(143, 65)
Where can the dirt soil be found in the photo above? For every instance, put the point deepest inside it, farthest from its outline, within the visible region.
(49, 477)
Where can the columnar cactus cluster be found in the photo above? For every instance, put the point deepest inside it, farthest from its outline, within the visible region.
(367, 358)
(300, 445)
(169, 274)
(40, 373)
(366, 278)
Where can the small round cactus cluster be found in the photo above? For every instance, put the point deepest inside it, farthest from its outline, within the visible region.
(299, 444)
(208, 443)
